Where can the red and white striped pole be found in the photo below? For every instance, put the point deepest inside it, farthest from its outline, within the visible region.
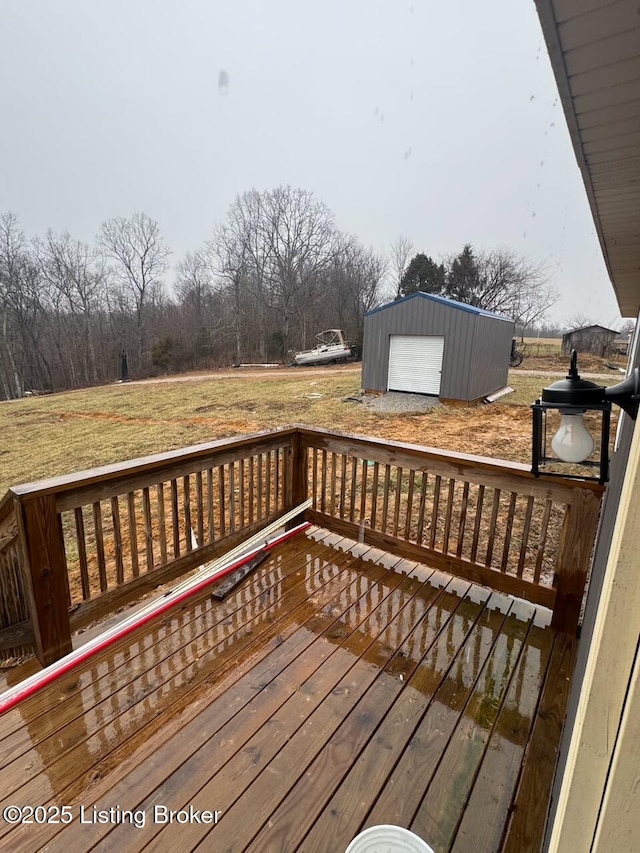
(219, 569)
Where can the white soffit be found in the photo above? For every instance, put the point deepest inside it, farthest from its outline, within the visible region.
(594, 48)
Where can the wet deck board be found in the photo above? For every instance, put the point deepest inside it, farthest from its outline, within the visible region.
(525, 831)
(326, 693)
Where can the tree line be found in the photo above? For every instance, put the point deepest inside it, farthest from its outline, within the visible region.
(276, 272)
(273, 274)
(499, 281)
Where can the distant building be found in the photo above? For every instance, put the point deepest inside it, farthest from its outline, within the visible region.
(594, 339)
(622, 343)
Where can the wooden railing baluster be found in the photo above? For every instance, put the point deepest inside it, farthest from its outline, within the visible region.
(200, 507)
(97, 527)
(542, 540)
(374, 496)
(148, 528)
(232, 498)
(354, 485)
(221, 501)
(492, 527)
(525, 536)
(186, 512)
(476, 526)
(363, 492)
(211, 526)
(260, 498)
(385, 497)
(463, 518)
(396, 510)
(314, 478)
(175, 521)
(323, 482)
(409, 519)
(267, 488)
(162, 527)
(448, 514)
(507, 533)
(422, 507)
(251, 490)
(82, 553)
(333, 481)
(434, 515)
(117, 540)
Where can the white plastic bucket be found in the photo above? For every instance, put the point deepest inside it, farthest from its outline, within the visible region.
(387, 838)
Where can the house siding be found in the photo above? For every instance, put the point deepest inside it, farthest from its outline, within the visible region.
(611, 505)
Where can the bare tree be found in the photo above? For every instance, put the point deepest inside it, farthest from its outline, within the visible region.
(140, 256)
(400, 252)
(75, 274)
(12, 250)
(579, 320)
(229, 256)
(273, 254)
(303, 242)
(194, 282)
(253, 239)
(354, 286)
(22, 357)
(503, 282)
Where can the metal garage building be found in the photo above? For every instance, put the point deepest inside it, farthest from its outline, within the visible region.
(430, 345)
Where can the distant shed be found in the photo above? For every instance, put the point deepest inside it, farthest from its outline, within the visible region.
(594, 339)
(427, 344)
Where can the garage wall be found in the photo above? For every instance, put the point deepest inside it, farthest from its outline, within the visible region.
(417, 315)
(489, 369)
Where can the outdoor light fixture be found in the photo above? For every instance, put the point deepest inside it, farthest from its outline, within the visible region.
(572, 444)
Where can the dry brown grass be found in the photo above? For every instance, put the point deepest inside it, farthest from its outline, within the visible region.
(545, 354)
(62, 433)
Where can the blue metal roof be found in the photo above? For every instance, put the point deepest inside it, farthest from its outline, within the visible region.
(471, 309)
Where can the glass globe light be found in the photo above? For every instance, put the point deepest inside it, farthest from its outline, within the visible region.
(572, 442)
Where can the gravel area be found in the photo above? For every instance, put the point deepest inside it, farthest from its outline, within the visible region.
(398, 403)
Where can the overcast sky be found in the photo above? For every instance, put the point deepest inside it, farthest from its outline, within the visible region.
(436, 120)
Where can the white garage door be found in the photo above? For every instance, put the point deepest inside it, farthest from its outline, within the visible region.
(415, 363)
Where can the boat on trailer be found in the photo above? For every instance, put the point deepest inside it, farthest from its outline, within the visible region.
(331, 347)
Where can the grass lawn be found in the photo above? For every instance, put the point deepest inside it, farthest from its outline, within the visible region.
(61, 433)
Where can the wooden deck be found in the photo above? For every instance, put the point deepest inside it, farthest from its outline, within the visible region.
(325, 694)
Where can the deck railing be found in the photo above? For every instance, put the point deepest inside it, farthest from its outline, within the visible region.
(75, 548)
(489, 521)
(90, 542)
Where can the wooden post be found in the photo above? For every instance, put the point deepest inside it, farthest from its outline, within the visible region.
(298, 472)
(576, 543)
(45, 576)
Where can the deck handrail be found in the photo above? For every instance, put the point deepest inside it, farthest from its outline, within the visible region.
(490, 521)
(93, 540)
(88, 542)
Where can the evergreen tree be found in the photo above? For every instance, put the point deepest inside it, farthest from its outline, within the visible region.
(423, 274)
(463, 280)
